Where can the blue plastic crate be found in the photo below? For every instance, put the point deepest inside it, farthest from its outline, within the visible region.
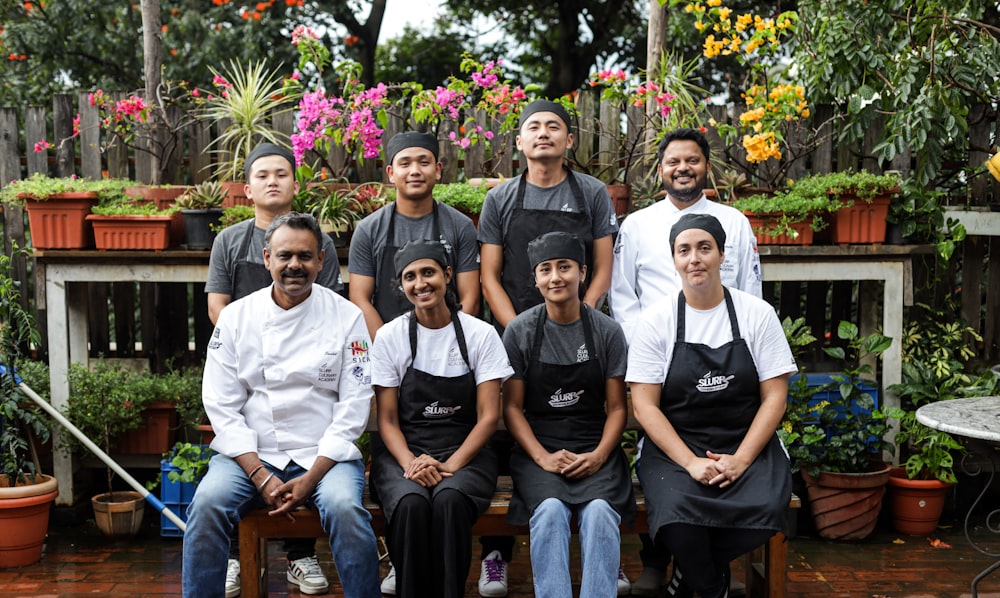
(818, 380)
(176, 496)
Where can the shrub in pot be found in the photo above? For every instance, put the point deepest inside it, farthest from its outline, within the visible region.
(201, 207)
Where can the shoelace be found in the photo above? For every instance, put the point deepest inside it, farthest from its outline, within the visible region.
(494, 569)
(621, 573)
(309, 567)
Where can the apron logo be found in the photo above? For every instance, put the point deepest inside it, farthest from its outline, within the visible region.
(565, 399)
(433, 411)
(710, 383)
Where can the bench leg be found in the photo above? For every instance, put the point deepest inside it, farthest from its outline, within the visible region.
(253, 559)
(775, 562)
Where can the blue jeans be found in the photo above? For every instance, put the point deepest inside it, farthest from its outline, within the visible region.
(600, 545)
(226, 493)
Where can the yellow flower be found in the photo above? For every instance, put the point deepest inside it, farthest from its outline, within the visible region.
(714, 3)
(699, 25)
(743, 21)
(724, 13)
(688, 8)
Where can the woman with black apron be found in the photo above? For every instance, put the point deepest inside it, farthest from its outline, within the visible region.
(709, 378)
(565, 406)
(433, 473)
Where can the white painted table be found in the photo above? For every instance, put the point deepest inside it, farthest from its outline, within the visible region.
(890, 264)
(977, 422)
(65, 302)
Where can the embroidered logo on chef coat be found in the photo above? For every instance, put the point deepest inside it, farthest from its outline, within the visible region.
(215, 343)
(565, 399)
(710, 383)
(327, 372)
(434, 411)
(359, 351)
(360, 375)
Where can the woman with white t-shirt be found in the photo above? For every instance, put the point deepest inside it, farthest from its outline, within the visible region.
(708, 371)
(433, 472)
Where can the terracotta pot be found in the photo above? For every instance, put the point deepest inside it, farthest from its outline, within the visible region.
(845, 506)
(118, 514)
(621, 197)
(863, 222)
(24, 518)
(762, 222)
(163, 198)
(131, 232)
(916, 504)
(155, 436)
(235, 195)
(59, 222)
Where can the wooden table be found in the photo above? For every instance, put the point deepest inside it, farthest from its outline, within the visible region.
(977, 422)
(65, 302)
(869, 264)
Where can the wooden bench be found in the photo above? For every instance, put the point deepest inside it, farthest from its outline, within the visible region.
(765, 567)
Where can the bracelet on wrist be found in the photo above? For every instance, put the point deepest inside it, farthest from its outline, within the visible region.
(255, 470)
(264, 483)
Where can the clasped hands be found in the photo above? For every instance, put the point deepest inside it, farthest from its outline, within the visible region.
(715, 469)
(426, 471)
(570, 464)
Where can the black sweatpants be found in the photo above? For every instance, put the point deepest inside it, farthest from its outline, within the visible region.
(703, 553)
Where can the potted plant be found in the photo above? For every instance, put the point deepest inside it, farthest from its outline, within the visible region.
(233, 215)
(467, 199)
(180, 471)
(120, 222)
(26, 495)
(837, 444)
(784, 217)
(105, 403)
(57, 209)
(248, 97)
(201, 207)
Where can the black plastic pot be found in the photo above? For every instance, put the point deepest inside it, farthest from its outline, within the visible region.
(198, 233)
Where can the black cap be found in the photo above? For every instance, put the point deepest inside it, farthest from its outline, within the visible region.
(401, 141)
(419, 249)
(545, 106)
(555, 245)
(266, 149)
(705, 222)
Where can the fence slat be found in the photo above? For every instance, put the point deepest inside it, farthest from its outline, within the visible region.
(62, 129)
(90, 138)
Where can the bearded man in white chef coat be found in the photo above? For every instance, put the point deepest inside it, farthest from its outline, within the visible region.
(287, 389)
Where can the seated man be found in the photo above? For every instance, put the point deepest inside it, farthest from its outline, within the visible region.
(288, 390)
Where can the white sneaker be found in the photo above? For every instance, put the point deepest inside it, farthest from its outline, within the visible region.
(493, 576)
(233, 579)
(306, 574)
(389, 583)
(624, 585)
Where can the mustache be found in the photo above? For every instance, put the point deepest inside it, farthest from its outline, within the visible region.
(293, 272)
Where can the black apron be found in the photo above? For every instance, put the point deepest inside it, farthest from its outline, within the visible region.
(436, 415)
(711, 397)
(249, 276)
(564, 404)
(524, 226)
(388, 302)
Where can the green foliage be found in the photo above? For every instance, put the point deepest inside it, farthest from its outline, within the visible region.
(829, 435)
(192, 461)
(920, 64)
(41, 187)
(234, 215)
(462, 196)
(203, 196)
(17, 333)
(920, 214)
(254, 96)
(930, 450)
(429, 57)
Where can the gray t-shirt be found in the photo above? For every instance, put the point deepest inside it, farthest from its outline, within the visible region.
(500, 201)
(457, 234)
(564, 344)
(226, 252)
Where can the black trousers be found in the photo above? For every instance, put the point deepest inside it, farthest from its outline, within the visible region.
(703, 553)
(430, 544)
(502, 443)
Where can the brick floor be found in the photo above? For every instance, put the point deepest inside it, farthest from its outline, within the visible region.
(80, 561)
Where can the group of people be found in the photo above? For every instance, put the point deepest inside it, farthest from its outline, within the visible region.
(292, 367)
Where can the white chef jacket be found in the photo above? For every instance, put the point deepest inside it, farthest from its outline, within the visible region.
(292, 384)
(643, 270)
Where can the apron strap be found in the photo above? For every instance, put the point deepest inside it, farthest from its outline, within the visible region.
(730, 308)
(247, 237)
(391, 232)
(459, 336)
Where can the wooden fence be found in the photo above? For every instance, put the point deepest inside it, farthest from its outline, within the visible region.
(971, 277)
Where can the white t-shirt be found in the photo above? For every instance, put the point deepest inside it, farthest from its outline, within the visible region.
(652, 346)
(643, 271)
(438, 353)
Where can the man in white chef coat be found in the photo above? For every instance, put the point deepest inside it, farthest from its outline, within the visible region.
(287, 389)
